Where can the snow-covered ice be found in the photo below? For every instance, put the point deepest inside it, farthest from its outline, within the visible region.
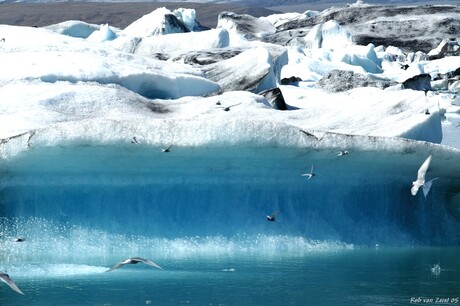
(52, 71)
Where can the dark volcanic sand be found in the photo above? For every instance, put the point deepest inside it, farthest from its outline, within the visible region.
(115, 14)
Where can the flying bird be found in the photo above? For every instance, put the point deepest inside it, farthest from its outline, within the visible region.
(273, 216)
(19, 239)
(134, 140)
(311, 174)
(342, 153)
(166, 150)
(134, 260)
(404, 67)
(420, 182)
(6, 278)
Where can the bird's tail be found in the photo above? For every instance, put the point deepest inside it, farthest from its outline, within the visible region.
(427, 186)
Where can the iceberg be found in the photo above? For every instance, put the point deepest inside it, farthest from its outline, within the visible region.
(74, 28)
(72, 101)
(84, 173)
(103, 34)
(159, 22)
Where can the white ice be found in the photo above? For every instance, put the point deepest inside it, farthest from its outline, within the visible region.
(74, 81)
(154, 22)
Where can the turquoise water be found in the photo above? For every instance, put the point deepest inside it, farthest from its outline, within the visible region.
(352, 235)
(348, 276)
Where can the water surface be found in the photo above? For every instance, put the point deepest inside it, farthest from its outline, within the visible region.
(348, 276)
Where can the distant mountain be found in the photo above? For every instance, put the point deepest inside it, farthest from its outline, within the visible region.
(255, 3)
(271, 3)
(304, 5)
(277, 5)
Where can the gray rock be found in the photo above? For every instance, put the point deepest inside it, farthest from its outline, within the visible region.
(250, 27)
(291, 80)
(342, 80)
(207, 57)
(420, 82)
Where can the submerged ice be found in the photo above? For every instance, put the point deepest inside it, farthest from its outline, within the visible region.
(75, 95)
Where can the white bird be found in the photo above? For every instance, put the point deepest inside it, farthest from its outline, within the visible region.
(420, 182)
(311, 174)
(134, 260)
(6, 278)
(342, 153)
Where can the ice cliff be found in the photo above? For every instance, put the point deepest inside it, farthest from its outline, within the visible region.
(74, 95)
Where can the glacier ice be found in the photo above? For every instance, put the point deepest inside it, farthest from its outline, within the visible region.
(174, 43)
(242, 27)
(328, 35)
(225, 187)
(74, 28)
(159, 22)
(75, 94)
(103, 34)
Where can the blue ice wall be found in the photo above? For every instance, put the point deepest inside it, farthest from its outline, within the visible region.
(362, 198)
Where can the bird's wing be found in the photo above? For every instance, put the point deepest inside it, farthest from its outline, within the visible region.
(118, 265)
(427, 186)
(276, 213)
(10, 283)
(422, 170)
(311, 169)
(150, 263)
